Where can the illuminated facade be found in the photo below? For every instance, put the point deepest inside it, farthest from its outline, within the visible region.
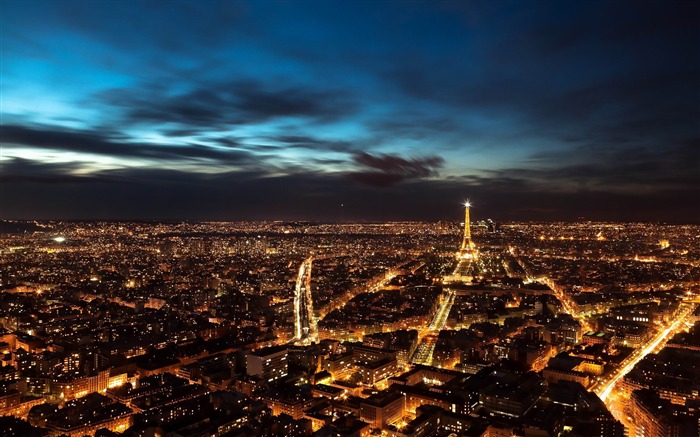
(269, 363)
(72, 388)
(655, 417)
(292, 407)
(382, 408)
(375, 371)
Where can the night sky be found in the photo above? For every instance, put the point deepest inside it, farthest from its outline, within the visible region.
(350, 110)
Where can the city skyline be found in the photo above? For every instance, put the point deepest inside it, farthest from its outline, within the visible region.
(360, 111)
(310, 329)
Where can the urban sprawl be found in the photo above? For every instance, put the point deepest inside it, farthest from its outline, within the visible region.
(289, 329)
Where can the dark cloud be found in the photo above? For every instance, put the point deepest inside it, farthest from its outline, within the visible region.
(17, 170)
(110, 144)
(177, 195)
(384, 170)
(618, 167)
(649, 106)
(311, 143)
(164, 194)
(153, 21)
(601, 70)
(415, 125)
(651, 20)
(600, 98)
(225, 104)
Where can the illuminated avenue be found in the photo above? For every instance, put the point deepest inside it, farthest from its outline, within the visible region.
(302, 328)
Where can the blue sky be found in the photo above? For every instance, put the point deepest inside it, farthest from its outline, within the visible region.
(397, 110)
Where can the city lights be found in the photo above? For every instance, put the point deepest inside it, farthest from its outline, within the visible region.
(369, 313)
(245, 218)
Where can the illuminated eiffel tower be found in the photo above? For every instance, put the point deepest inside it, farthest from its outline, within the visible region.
(468, 254)
(467, 250)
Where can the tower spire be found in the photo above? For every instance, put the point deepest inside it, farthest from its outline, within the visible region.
(467, 244)
(468, 265)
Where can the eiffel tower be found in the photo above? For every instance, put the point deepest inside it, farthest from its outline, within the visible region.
(467, 255)
(467, 250)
